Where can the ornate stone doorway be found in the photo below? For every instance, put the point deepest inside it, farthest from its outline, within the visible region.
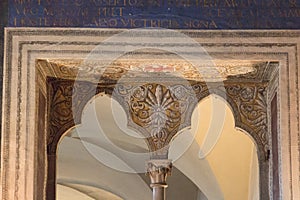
(248, 100)
(58, 95)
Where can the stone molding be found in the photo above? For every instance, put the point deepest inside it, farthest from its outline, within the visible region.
(24, 46)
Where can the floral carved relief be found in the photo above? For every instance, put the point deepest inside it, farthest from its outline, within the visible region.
(66, 101)
(248, 102)
(251, 104)
(158, 111)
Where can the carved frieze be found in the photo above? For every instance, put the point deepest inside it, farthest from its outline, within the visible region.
(233, 70)
(158, 111)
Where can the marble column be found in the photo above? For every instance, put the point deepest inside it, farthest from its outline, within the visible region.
(158, 171)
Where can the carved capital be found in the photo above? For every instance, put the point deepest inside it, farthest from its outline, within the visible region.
(158, 171)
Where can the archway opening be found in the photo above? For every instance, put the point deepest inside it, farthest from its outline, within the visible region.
(223, 164)
(92, 157)
(79, 172)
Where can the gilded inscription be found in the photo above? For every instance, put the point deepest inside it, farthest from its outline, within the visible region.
(187, 14)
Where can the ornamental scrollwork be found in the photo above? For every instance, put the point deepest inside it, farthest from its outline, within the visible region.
(251, 103)
(60, 109)
(66, 100)
(158, 111)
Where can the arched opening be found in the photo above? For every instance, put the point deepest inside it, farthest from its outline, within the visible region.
(94, 154)
(82, 166)
(223, 165)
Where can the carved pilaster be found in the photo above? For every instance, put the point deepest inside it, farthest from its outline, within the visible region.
(158, 171)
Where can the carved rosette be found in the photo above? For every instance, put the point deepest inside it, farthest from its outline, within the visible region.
(158, 111)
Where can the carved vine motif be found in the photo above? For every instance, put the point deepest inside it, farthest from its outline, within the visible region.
(251, 103)
(66, 100)
(159, 111)
(60, 99)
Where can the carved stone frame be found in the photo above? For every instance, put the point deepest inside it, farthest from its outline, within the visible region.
(24, 141)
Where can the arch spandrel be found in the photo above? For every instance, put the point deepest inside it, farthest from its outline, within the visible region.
(67, 100)
(248, 102)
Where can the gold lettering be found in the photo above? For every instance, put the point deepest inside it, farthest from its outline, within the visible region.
(125, 22)
(200, 24)
(48, 12)
(102, 12)
(34, 11)
(293, 3)
(18, 11)
(46, 22)
(275, 3)
(230, 3)
(205, 3)
(110, 11)
(20, 2)
(121, 12)
(153, 23)
(137, 23)
(289, 13)
(294, 13)
(15, 21)
(22, 22)
(213, 24)
(84, 12)
(254, 13)
(145, 22)
(220, 12)
(113, 22)
(113, 12)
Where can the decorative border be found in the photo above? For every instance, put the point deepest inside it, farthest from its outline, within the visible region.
(76, 32)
